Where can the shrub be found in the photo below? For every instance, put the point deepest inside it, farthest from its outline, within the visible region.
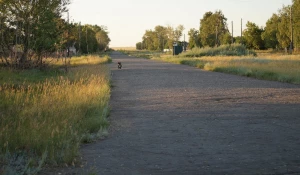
(223, 50)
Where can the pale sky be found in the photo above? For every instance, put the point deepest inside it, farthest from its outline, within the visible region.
(127, 20)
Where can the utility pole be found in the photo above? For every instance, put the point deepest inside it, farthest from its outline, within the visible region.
(231, 32)
(184, 46)
(242, 31)
(216, 36)
(1, 30)
(292, 31)
(16, 45)
(79, 36)
(68, 44)
(86, 39)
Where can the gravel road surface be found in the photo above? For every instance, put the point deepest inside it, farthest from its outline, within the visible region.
(175, 119)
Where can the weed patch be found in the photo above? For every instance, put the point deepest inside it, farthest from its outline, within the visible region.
(45, 115)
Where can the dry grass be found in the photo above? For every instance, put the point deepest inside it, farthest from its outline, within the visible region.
(124, 48)
(284, 68)
(79, 61)
(53, 114)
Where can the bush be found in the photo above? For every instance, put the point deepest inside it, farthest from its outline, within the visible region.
(223, 50)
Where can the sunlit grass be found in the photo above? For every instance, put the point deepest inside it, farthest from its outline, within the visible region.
(124, 48)
(79, 61)
(51, 111)
(283, 68)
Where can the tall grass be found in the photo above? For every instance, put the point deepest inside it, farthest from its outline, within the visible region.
(53, 114)
(223, 50)
(284, 68)
(79, 61)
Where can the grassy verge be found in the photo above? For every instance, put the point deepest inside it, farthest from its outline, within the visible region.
(284, 68)
(141, 53)
(266, 66)
(223, 50)
(46, 114)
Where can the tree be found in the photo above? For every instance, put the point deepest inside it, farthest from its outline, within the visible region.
(194, 38)
(161, 37)
(296, 22)
(226, 38)
(178, 32)
(93, 38)
(149, 40)
(32, 25)
(278, 28)
(213, 29)
(252, 36)
(138, 46)
(269, 35)
(237, 39)
(102, 38)
(284, 31)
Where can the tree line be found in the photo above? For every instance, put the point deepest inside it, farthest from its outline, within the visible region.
(282, 31)
(31, 29)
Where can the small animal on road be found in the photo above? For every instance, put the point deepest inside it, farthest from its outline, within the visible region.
(119, 65)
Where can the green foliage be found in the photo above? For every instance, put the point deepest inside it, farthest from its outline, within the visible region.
(213, 29)
(284, 30)
(139, 46)
(252, 36)
(34, 23)
(194, 38)
(296, 22)
(278, 28)
(269, 35)
(224, 50)
(32, 29)
(161, 38)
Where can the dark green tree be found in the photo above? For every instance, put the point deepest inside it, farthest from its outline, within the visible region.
(34, 25)
(213, 29)
(252, 36)
(269, 35)
(284, 28)
(138, 46)
(161, 37)
(194, 38)
(296, 23)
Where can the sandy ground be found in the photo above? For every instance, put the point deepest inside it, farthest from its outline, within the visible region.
(175, 119)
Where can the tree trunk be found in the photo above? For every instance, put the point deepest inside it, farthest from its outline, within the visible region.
(23, 59)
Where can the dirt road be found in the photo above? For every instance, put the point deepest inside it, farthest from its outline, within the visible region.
(175, 119)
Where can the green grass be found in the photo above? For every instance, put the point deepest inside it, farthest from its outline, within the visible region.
(48, 113)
